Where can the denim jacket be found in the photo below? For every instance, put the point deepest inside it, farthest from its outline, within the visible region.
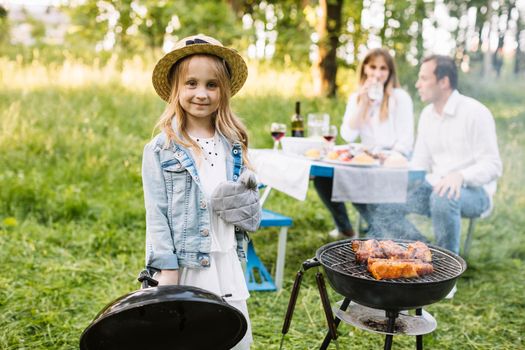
(177, 214)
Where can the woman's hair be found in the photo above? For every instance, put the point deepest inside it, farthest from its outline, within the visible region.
(390, 83)
(224, 120)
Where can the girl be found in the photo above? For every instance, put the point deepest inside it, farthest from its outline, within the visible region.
(202, 144)
(381, 114)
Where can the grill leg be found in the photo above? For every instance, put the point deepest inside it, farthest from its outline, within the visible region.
(419, 338)
(390, 329)
(328, 337)
(326, 305)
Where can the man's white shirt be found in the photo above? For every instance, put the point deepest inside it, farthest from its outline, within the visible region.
(462, 139)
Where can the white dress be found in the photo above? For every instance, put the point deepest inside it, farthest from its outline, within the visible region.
(225, 275)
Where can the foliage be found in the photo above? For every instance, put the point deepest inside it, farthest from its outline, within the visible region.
(145, 24)
(353, 35)
(284, 33)
(293, 43)
(4, 26)
(72, 216)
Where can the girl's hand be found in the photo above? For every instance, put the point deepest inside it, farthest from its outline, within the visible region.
(167, 277)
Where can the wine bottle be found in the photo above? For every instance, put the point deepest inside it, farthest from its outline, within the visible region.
(297, 121)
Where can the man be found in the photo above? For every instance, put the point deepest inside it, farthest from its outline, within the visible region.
(457, 146)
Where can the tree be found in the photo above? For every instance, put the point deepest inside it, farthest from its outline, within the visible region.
(487, 66)
(293, 43)
(328, 30)
(86, 29)
(400, 16)
(353, 36)
(4, 26)
(135, 25)
(517, 57)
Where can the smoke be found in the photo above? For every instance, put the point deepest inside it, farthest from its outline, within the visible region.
(390, 221)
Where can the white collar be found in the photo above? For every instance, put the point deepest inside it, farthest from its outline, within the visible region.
(452, 103)
(449, 110)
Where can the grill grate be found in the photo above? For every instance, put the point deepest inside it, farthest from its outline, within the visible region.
(341, 258)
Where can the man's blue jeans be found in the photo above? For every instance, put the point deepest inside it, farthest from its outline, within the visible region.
(323, 186)
(388, 220)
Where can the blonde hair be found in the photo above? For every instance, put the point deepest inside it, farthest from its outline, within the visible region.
(391, 82)
(224, 120)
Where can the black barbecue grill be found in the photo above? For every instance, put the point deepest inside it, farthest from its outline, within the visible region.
(341, 258)
(356, 284)
(165, 317)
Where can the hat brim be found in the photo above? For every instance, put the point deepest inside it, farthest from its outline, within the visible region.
(236, 65)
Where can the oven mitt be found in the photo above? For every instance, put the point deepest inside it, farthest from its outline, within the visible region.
(237, 203)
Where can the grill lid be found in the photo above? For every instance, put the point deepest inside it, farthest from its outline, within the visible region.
(340, 257)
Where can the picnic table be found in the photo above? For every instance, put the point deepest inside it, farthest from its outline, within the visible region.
(290, 174)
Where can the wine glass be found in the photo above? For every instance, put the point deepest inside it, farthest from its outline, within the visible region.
(329, 134)
(278, 130)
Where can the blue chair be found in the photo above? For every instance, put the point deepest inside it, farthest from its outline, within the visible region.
(257, 276)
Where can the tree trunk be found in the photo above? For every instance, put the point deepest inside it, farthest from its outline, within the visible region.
(238, 7)
(328, 29)
(358, 36)
(517, 54)
(420, 14)
(382, 31)
(497, 58)
(487, 64)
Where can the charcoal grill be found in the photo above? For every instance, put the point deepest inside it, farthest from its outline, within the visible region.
(356, 284)
(165, 317)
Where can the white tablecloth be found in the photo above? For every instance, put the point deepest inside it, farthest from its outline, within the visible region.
(290, 174)
(285, 173)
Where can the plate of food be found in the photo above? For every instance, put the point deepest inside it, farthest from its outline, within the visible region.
(395, 160)
(344, 157)
(313, 154)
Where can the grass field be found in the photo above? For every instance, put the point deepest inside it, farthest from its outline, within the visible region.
(72, 217)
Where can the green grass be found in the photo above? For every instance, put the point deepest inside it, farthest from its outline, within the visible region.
(72, 218)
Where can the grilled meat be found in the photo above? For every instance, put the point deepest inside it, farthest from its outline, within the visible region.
(398, 268)
(419, 250)
(393, 250)
(386, 259)
(367, 249)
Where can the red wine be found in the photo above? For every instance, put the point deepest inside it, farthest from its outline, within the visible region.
(329, 138)
(277, 135)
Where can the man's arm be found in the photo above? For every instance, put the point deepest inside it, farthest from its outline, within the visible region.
(487, 166)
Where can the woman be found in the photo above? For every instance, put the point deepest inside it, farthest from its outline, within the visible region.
(380, 113)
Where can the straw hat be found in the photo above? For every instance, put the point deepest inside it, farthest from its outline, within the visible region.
(199, 44)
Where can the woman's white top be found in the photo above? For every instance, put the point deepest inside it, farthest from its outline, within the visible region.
(396, 133)
(225, 274)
